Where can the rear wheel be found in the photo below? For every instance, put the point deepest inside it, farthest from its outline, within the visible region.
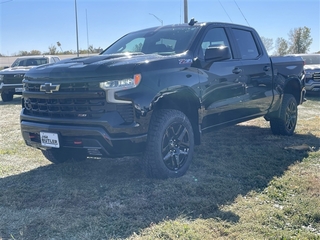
(170, 145)
(6, 96)
(287, 121)
(64, 155)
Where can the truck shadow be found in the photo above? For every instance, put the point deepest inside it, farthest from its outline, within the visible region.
(16, 101)
(111, 198)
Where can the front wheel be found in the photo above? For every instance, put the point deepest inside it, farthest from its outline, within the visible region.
(60, 155)
(170, 145)
(286, 123)
(7, 96)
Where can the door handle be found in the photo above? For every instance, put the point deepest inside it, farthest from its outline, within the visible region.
(266, 68)
(237, 70)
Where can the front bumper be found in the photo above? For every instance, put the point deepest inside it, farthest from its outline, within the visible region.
(12, 88)
(312, 86)
(94, 139)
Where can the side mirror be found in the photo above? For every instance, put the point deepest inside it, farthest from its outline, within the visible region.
(5, 67)
(219, 53)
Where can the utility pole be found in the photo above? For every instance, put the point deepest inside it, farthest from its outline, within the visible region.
(76, 11)
(185, 11)
(87, 32)
(6, 1)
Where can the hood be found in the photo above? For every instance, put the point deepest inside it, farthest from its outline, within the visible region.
(312, 67)
(95, 67)
(14, 70)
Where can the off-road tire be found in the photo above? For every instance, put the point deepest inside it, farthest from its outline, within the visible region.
(63, 155)
(287, 121)
(6, 96)
(170, 145)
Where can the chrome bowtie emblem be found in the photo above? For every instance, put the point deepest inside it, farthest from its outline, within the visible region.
(49, 88)
(18, 75)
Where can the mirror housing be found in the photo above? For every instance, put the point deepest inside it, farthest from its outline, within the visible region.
(219, 53)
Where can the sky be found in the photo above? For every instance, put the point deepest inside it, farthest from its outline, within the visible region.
(27, 25)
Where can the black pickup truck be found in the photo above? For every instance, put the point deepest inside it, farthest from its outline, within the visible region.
(154, 92)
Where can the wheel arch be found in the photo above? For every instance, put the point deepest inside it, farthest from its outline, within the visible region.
(184, 100)
(293, 86)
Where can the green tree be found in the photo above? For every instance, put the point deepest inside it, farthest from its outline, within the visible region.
(23, 53)
(268, 43)
(281, 47)
(35, 52)
(52, 50)
(300, 40)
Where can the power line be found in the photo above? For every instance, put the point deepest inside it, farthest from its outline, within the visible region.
(225, 11)
(241, 12)
(6, 1)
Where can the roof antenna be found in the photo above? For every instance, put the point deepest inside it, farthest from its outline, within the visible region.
(241, 13)
(225, 11)
(192, 22)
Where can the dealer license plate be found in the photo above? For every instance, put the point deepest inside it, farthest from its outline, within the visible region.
(18, 89)
(49, 139)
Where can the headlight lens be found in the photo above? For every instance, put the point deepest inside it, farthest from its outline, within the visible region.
(122, 84)
(1, 77)
(309, 74)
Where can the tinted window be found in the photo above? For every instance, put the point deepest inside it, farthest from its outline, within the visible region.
(246, 43)
(215, 37)
(29, 62)
(311, 59)
(167, 40)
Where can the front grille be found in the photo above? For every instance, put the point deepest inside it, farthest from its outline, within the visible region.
(66, 87)
(13, 78)
(74, 101)
(316, 76)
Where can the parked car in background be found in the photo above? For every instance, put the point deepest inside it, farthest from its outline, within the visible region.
(312, 71)
(11, 77)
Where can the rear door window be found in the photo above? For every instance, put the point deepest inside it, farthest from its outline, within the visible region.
(247, 45)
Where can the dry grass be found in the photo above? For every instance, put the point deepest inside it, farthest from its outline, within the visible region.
(243, 184)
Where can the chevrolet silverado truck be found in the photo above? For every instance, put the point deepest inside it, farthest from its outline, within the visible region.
(11, 77)
(155, 92)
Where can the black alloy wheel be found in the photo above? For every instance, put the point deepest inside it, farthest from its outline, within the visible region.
(170, 145)
(175, 146)
(286, 123)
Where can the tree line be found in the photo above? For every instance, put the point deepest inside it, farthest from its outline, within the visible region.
(53, 50)
(299, 41)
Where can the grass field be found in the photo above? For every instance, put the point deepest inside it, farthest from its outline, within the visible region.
(244, 183)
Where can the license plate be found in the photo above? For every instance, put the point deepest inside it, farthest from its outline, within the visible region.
(49, 139)
(18, 89)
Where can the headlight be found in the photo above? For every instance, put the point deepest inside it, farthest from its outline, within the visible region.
(309, 74)
(121, 84)
(1, 77)
(113, 86)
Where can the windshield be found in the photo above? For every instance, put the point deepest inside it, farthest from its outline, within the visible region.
(29, 62)
(163, 41)
(311, 59)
